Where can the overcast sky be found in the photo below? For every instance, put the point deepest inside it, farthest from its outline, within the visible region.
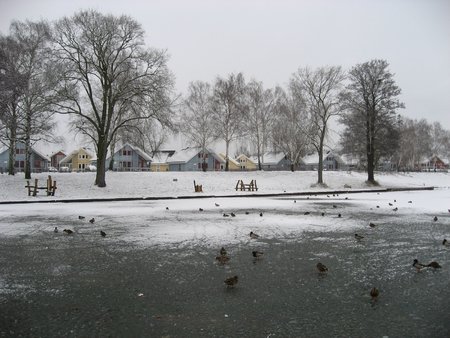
(269, 40)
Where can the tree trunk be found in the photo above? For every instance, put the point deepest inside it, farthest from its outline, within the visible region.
(27, 159)
(12, 153)
(259, 159)
(370, 149)
(292, 167)
(320, 166)
(320, 153)
(204, 163)
(227, 145)
(100, 179)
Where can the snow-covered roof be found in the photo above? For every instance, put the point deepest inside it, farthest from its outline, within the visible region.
(311, 159)
(183, 155)
(230, 159)
(139, 151)
(349, 159)
(75, 152)
(269, 158)
(160, 158)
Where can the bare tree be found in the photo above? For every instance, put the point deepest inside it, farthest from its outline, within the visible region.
(12, 86)
(197, 122)
(371, 100)
(288, 131)
(229, 109)
(260, 116)
(321, 89)
(38, 94)
(110, 79)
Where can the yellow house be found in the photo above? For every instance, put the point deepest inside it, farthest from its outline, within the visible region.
(77, 160)
(245, 163)
(233, 165)
(159, 160)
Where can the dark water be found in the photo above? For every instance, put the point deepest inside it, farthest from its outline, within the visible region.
(54, 286)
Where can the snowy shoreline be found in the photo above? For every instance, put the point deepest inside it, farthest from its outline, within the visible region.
(138, 185)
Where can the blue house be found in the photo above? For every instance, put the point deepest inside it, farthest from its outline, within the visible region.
(130, 158)
(192, 159)
(39, 162)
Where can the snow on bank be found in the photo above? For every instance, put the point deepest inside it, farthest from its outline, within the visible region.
(147, 184)
(180, 223)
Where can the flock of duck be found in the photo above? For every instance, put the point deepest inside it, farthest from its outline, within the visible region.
(70, 231)
(223, 257)
(231, 282)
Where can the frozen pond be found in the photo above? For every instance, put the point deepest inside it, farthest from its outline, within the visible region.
(155, 273)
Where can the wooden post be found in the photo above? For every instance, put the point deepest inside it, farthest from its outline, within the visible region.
(49, 185)
(53, 188)
(29, 188)
(35, 187)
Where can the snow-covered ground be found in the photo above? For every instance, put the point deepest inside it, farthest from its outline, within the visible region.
(121, 184)
(176, 221)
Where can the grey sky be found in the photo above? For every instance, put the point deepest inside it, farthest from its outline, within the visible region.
(269, 40)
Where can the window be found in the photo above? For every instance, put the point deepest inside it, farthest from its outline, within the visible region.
(37, 164)
(20, 151)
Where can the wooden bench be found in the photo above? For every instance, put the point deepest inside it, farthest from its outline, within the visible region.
(34, 189)
(240, 185)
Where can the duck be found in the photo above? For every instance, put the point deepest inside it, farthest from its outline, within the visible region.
(247, 213)
(435, 219)
(372, 225)
(102, 233)
(261, 214)
(418, 265)
(306, 213)
(445, 242)
(226, 215)
(378, 207)
(232, 214)
(334, 206)
(339, 215)
(323, 214)
(321, 267)
(223, 252)
(200, 209)
(217, 204)
(390, 204)
(395, 209)
(434, 265)
(55, 230)
(253, 235)
(358, 237)
(81, 217)
(409, 201)
(92, 220)
(68, 231)
(222, 259)
(167, 208)
(231, 282)
(374, 293)
(257, 254)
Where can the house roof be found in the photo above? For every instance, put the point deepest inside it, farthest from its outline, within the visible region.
(58, 151)
(350, 159)
(269, 158)
(45, 157)
(230, 159)
(138, 150)
(73, 153)
(186, 154)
